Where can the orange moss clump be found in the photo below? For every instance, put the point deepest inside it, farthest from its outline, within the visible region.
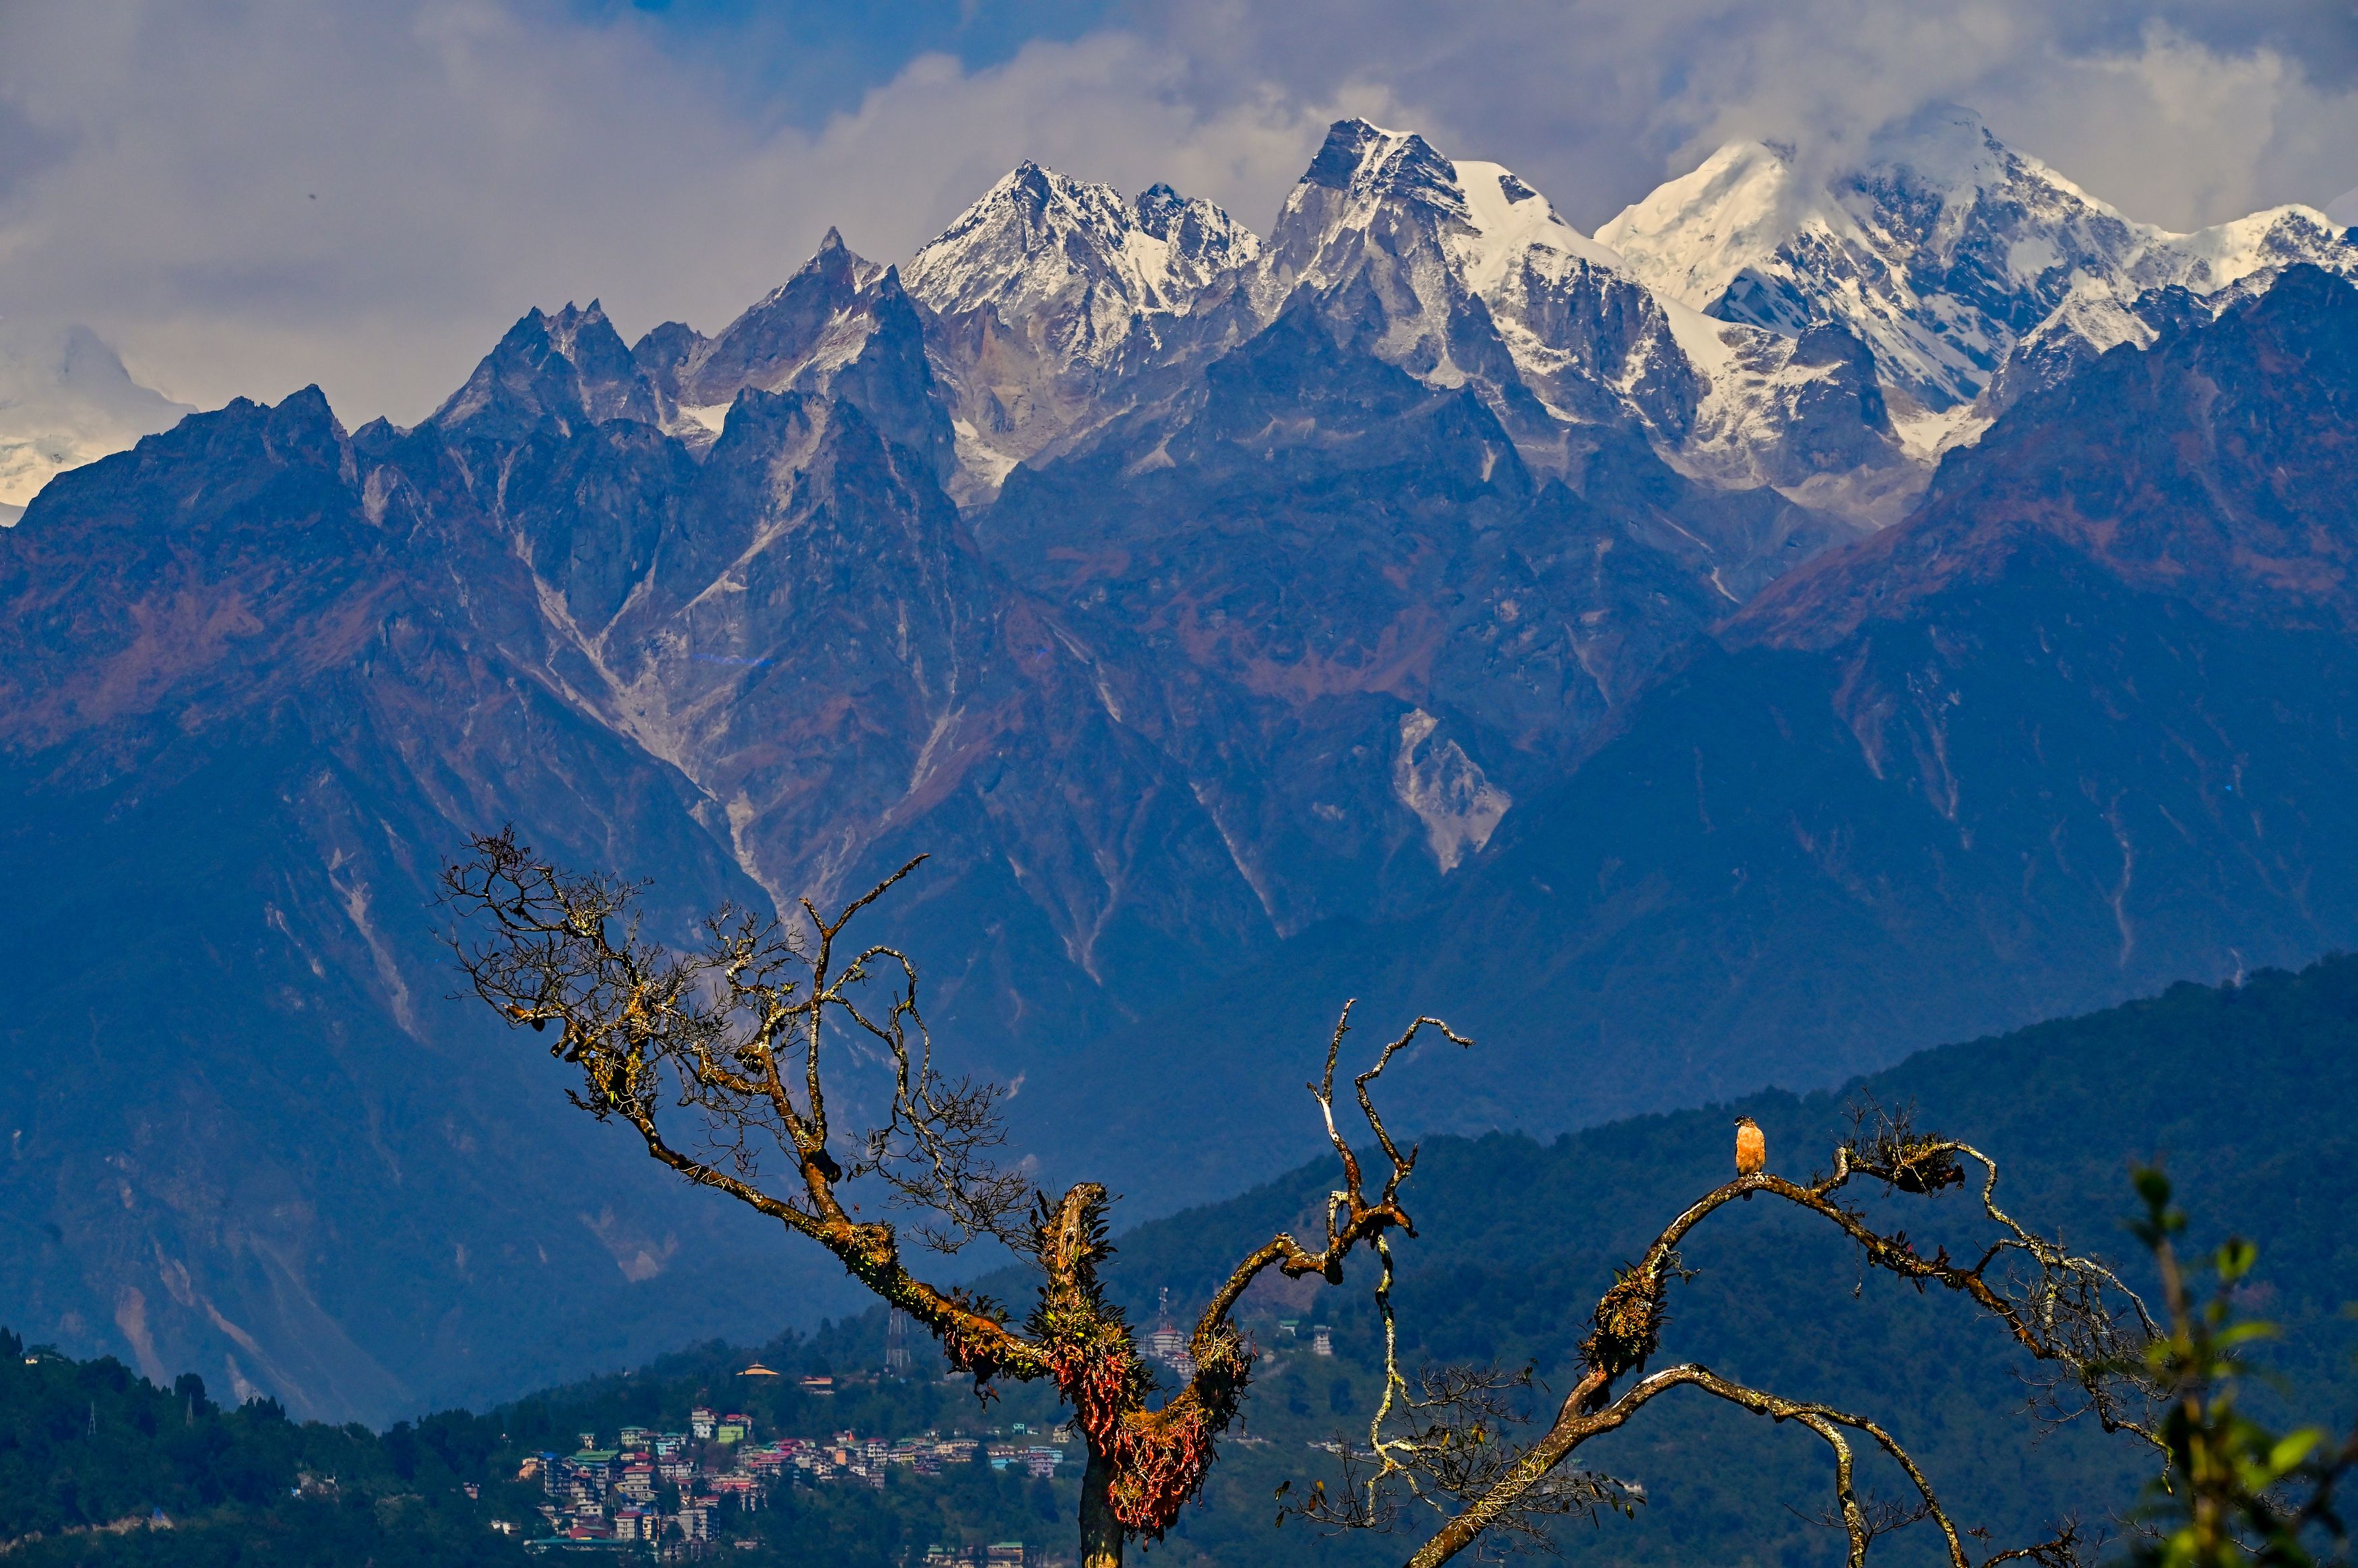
(1159, 1458)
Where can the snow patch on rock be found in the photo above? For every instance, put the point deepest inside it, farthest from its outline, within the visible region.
(1446, 789)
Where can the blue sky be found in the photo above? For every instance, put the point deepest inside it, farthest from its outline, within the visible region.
(801, 62)
(244, 196)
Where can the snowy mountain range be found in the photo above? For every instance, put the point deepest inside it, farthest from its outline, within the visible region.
(1760, 320)
(1943, 250)
(1058, 307)
(1825, 332)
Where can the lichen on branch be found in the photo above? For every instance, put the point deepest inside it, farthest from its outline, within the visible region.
(719, 1057)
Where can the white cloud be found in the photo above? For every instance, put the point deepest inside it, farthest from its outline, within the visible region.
(270, 195)
(2180, 134)
(250, 194)
(65, 401)
(2226, 107)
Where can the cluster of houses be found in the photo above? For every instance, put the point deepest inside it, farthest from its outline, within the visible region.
(1167, 1342)
(660, 1490)
(1006, 1554)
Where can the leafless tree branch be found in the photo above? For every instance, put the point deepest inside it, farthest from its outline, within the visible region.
(2069, 1313)
(719, 1057)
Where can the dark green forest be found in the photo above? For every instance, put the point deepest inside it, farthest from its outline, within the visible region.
(168, 1476)
(2240, 1091)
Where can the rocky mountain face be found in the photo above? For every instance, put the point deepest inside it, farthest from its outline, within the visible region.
(248, 698)
(2070, 732)
(1204, 608)
(1943, 251)
(1361, 622)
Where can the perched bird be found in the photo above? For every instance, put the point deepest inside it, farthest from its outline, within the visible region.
(1751, 1150)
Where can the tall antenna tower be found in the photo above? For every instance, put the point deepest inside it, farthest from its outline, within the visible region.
(896, 1344)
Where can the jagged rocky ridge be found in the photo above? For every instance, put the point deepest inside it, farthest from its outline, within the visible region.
(1179, 594)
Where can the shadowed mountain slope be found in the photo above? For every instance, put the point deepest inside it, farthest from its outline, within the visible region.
(1337, 583)
(2074, 731)
(250, 1134)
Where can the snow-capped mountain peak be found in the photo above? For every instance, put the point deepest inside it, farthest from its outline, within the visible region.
(1938, 249)
(838, 311)
(2229, 252)
(66, 400)
(1942, 248)
(1695, 235)
(834, 263)
(1198, 231)
(1366, 181)
(1048, 292)
(1039, 240)
(1948, 150)
(569, 366)
(1387, 200)
(1364, 162)
(1506, 218)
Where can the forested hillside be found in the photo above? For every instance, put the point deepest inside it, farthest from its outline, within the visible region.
(2240, 1090)
(97, 1463)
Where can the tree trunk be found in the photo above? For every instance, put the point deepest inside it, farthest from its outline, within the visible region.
(1100, 1531)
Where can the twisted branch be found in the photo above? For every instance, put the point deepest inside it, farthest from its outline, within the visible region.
(717, 1032)
(2056, 1304)
(1351, 1217)
(723, 1033)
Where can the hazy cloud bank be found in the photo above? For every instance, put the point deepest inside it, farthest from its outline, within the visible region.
(246, 195)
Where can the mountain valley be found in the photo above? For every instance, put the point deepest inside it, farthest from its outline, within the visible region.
(1427, 603)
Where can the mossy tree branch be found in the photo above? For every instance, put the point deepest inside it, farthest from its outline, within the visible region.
(717, 1058)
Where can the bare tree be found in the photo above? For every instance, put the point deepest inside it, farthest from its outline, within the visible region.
(1441, 1443)
(719, 1057)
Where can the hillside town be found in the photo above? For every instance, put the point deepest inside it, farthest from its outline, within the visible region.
(662, 1492)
